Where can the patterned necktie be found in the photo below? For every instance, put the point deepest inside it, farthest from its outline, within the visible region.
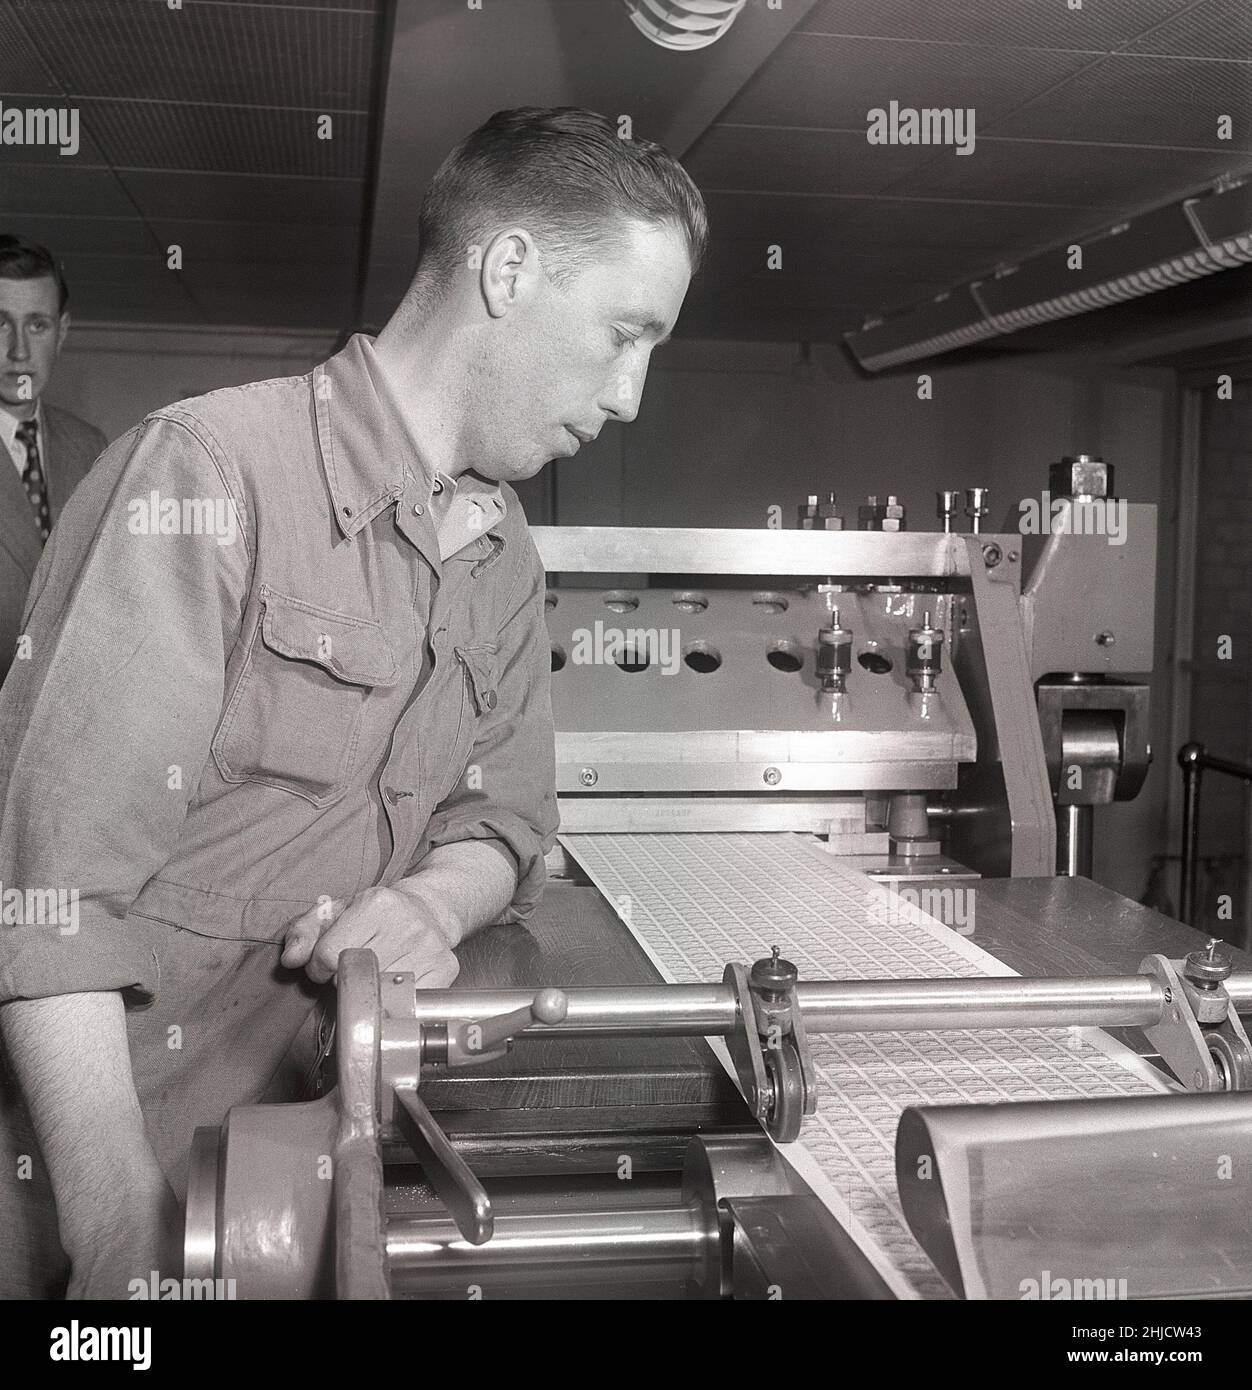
(32, 477)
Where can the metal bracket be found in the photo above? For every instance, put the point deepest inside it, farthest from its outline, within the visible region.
(1205, 1053)
(777, 1079)
(744, 1046)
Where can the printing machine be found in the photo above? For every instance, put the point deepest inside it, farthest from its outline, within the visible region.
(930, 705)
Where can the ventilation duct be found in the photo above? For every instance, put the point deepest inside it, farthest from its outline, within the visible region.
(1183, 241)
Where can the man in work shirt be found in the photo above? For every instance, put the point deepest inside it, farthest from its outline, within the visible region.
(288, 686)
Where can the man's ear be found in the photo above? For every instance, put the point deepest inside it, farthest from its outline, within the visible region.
(510, 266)
(63, 327)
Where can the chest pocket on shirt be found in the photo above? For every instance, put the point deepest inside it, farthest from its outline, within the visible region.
(480, 670)
(478, 700)
(294, 718)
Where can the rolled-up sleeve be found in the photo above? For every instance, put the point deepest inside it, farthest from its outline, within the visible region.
(105, 727)
(507, 795)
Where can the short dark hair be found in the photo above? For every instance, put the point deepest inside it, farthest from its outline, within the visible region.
(27, 260)
(566, 175)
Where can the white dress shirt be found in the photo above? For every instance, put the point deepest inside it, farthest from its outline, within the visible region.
(17, 450)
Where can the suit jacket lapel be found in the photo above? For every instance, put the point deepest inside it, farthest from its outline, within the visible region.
(19, 533)
(54, 459)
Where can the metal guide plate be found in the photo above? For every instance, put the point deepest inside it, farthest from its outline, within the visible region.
(697, 901)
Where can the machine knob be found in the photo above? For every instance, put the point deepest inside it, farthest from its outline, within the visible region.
(772, 975)
(1209, 967)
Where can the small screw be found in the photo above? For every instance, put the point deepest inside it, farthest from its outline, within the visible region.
(991, 555)
(1105, 639)
(588, 776)
(772, 776)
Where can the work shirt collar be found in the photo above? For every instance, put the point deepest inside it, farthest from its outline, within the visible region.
(369, 452)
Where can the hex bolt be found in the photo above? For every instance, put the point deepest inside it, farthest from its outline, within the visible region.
(991, 555)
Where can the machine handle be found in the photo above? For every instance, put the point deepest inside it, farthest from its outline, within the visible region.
(481, 1041)
(448, 1173)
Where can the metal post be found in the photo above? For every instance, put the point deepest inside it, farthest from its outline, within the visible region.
(1190, 760)
(1074, 840)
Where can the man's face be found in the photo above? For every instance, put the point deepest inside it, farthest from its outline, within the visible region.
(565, 359)
(31, 334)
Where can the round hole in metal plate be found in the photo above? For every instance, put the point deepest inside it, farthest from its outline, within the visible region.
(702, 657)
(620, 601)
(770, 603)
(688, 601)
(785, 656)
(631, 658)
(875, 663)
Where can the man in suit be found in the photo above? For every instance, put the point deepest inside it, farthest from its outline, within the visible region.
(46, 452)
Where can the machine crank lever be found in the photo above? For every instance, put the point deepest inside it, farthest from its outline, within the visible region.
(448, 1173)
(491, 1038)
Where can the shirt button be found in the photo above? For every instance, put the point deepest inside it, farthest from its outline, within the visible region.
(489, 699)
(417, 507)
(438, 488)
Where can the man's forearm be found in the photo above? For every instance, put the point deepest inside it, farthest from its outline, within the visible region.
(72, 1061)
(465, 885)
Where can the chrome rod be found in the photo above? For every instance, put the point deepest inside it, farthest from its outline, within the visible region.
(840, 1006)
(887, 1006)
(428, 1253)
(655, 1010)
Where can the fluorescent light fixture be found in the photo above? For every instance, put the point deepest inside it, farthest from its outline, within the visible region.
(1183, 241)
(684, 24)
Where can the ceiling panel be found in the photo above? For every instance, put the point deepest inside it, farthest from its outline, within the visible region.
(240, 54)
(767, 159)
(817, 80)
(1143, 100)
(1099, 24)
(830, 255)
(226, 139)
(1082, 176)
(236, 197)
(1219, 29)
(62, 190)
(88, 153)
(107, 235)
(22, 71)
(200, 127)
(899, 224)
(262, 244)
